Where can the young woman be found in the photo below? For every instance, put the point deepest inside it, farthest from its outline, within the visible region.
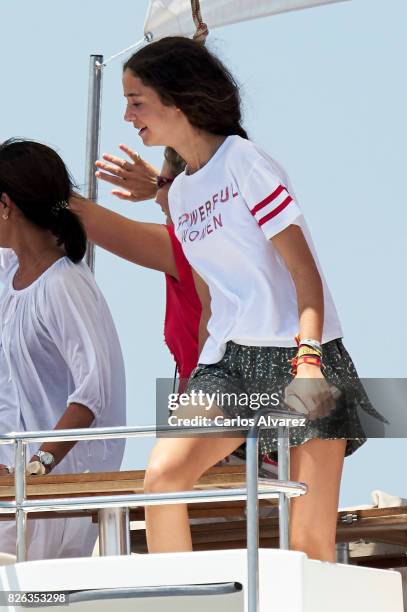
(61, 365)
(153, 245)
(236, 217)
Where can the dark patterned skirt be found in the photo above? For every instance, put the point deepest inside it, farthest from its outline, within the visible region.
(250, 370)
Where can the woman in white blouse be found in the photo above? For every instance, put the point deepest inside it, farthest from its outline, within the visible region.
(60, 359)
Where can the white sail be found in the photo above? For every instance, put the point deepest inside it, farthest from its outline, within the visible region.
(174, 17)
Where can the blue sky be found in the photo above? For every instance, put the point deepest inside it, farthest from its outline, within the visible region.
(324, 92)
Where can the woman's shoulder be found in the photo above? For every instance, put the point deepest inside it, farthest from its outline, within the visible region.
(8, 263)
(250, 151)
(253, 156)
(65, 276)
(244, 152)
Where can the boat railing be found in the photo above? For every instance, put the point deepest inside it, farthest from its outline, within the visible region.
(112, 508)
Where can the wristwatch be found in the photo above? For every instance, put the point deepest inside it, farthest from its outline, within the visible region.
(47, 459)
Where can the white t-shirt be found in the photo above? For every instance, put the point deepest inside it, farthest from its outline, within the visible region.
(224, 216)
(58, 345)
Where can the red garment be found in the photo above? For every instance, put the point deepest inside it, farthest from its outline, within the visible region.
(183, 312)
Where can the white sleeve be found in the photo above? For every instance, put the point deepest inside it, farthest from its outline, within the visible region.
(269, 200)
(7, 260)
(73, 320)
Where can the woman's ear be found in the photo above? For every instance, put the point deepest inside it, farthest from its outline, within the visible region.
(5, 200)
(6, 205)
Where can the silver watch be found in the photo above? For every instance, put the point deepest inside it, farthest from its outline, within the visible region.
(47, 459)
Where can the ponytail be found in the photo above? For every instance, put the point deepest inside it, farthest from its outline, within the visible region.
(70, 234)
(233, 129)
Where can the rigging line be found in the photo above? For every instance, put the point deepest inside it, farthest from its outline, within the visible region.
(147, 38)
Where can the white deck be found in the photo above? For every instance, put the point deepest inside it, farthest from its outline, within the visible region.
(289, 582)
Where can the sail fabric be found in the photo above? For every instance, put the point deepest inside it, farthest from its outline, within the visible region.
(174, 17)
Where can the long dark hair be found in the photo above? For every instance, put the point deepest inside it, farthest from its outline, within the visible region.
(36, 179)
(185, 74)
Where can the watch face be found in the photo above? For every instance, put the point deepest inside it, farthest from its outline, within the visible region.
(46, 458)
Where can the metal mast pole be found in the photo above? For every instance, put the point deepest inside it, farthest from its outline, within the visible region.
(93, 138)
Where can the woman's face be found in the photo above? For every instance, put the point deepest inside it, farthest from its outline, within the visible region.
(156, 123)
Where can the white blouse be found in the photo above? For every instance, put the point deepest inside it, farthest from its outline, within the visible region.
(59, 345)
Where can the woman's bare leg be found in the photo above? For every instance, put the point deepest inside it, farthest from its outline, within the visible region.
(175, 465)
(313, 516)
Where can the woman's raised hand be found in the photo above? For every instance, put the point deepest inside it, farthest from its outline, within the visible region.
(137, 178)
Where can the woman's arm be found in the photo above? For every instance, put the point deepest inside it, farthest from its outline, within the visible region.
(146, 244)
(309, 392)
(293, 248)
(76, 416)
(81, 329)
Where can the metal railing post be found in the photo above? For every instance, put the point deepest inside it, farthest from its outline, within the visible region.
(252, 503)
(252, 518)
(343, 552)
(283, 451)
(114, 531)
(19, 484)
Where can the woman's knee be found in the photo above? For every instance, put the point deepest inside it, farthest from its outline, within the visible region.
(164, 476)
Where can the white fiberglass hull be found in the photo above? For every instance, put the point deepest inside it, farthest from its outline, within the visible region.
(289, 582)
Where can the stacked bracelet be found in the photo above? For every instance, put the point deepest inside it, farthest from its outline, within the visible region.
(312, 344)
(309, 359)
(309, 352)
(314, 360)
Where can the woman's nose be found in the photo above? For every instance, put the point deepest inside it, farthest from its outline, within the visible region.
(129, 115)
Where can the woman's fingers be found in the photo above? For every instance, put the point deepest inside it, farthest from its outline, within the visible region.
(123, 195)
(109, 178)
(323, 405)
(294, 402)
(135, 157)
(139, 176)
(116, 170)
(311, 406)
(324, 401)
(312, 397)
(120, 164)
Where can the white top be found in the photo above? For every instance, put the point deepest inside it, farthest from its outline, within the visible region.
(58, 345)
(224, 215)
